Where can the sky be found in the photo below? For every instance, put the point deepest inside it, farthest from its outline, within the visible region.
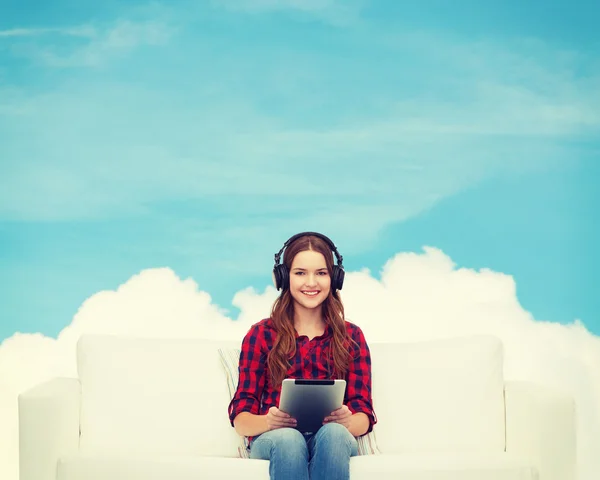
(191, 139)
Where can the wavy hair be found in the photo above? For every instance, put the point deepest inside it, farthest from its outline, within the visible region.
(282, 316)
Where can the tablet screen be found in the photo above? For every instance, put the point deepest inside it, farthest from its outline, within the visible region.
(309, 401)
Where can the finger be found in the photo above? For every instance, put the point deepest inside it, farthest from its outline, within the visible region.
(285, 425)
(284, 420)
(274, 425)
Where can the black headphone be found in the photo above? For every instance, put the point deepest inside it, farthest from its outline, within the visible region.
(281, 274)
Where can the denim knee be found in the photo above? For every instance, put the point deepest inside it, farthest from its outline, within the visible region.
(282, 441)
(336, 436)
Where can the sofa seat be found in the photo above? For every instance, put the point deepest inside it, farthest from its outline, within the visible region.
(383, 467)
(431, 466)
(105, 467)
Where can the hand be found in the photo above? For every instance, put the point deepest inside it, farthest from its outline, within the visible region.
(278, 419)
(342, 416)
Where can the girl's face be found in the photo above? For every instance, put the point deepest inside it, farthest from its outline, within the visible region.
(309, 279)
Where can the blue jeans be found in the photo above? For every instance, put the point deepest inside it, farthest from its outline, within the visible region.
(324, 455)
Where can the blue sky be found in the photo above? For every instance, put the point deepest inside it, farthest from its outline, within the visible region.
(137, 135)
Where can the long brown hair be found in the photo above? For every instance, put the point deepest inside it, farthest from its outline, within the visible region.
(282, 316)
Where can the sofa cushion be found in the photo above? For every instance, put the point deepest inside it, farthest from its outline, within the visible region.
(441, 395)
(448, 466)
(230, 358)
(162, 396)
(99, 467)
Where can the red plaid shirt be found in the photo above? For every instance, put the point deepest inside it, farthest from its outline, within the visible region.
(255, 392)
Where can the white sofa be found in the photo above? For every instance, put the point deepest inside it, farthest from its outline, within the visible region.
(154, 409)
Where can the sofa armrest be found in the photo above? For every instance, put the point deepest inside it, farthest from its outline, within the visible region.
(48, 427)
(541, 426)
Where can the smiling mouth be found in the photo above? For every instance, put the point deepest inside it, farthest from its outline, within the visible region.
(311, 294)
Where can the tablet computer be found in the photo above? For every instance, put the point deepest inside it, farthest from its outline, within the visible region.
(309, 401)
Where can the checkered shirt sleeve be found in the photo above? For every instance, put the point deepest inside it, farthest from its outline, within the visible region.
(358, 390)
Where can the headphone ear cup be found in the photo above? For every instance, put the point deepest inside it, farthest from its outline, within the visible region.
(280, 276)
(338, 278)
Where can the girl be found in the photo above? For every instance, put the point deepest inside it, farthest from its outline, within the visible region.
(306, 336)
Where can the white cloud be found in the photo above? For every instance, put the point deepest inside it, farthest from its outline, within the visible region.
(419, 296)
